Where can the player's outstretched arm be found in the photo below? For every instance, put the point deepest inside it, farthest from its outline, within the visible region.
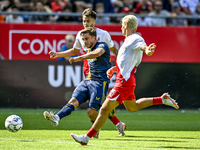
(52, 54)
(67, 53)
(149, 50)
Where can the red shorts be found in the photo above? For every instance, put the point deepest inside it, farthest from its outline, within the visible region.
(120, 93)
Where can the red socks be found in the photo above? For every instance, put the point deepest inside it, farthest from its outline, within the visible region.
(157, 101)
(91, 132)
(115, 120)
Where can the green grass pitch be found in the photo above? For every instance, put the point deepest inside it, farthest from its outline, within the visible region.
(146, 130)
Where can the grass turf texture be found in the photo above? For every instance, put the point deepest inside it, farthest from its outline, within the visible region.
(146, 129)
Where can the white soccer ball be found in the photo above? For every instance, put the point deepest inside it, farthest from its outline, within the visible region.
(13, 123)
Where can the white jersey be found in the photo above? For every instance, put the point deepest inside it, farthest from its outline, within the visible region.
(129, 55)
(102, 36)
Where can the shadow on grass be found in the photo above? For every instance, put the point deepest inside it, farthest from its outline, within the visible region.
(174, 147)
(161, 137)
(153, 140)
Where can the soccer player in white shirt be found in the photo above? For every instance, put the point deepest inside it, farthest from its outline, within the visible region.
(129, 57)
(89, 17)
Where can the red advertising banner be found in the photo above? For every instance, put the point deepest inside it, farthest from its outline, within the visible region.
(34, 41)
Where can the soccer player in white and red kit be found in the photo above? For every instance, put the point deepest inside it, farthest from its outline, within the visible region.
(129, 57)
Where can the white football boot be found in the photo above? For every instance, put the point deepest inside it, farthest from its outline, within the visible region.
(82, 139)
(167, 100)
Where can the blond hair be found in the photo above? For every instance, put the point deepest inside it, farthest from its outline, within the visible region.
(69, 37)
(132, 22)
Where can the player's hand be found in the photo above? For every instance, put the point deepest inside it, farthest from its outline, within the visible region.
(151, 49)
(110, 72)
(74, 59)
(52, 54)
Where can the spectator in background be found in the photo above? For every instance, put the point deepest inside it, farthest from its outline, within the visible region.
(83, 3)
(157, 12)
(21, 5)
(175, 13)
(196, 22)
(58, 5)
(145, 3)
(167, 4)
(1, 16)
(66, 9)
(79, 9)
(39, 7)
(47, 3)
(126, 7)
(14, 18)
(100, 10)
(116, 4)
(188, 6)
(108, 7)
(144, 21)
(7, 5)
(69, 40)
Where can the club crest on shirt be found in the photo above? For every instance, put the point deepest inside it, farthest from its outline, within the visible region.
(98, 98)
(112, 92)
(98, 38)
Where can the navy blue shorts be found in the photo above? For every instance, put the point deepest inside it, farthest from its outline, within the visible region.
(94, 91)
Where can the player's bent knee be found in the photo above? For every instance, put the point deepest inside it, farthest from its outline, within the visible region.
(92, 113)
(104, 111)
(73, 101)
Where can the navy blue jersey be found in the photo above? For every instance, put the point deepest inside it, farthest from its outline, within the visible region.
(98, 66)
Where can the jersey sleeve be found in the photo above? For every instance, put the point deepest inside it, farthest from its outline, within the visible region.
(108, 39)
(102, 45)
(77, 43)
(138, 43)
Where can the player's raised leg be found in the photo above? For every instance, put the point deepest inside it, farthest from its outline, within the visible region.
(141, 103)
(65, 111)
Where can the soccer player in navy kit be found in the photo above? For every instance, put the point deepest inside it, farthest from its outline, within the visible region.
(95, 86)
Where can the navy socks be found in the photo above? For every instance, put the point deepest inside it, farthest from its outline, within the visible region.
(65, 111)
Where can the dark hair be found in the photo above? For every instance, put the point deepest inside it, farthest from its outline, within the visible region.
(90, 30)
(67, 7)
(153, 5)
(89, 13)
(14, 6)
